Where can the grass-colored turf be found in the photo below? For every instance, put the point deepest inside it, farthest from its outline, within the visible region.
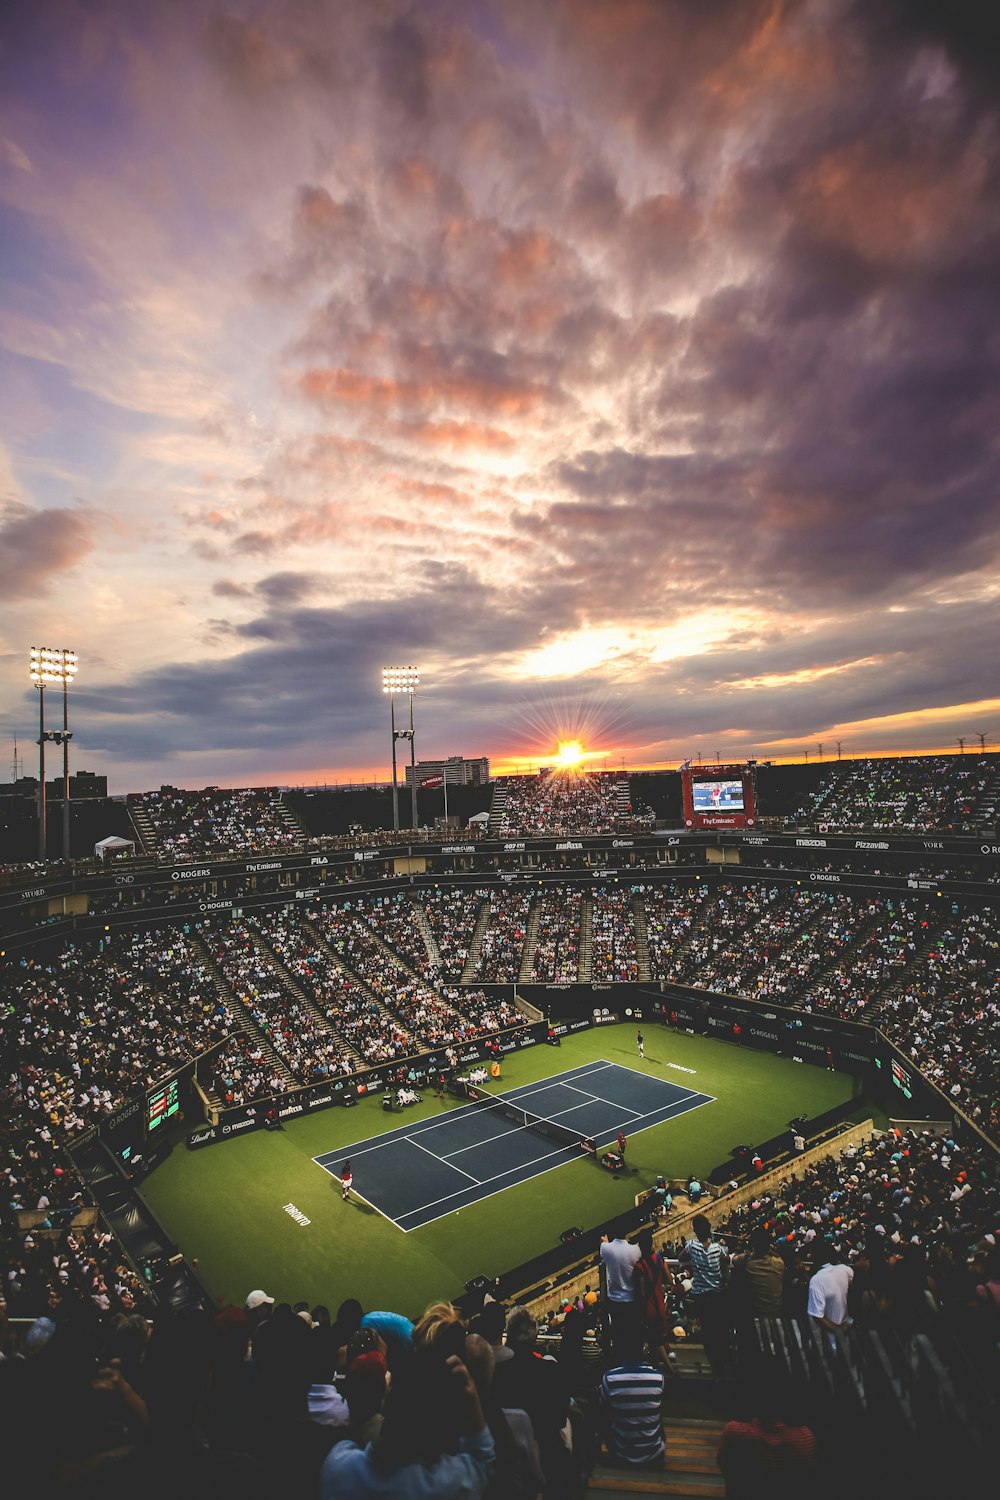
(225, 1203)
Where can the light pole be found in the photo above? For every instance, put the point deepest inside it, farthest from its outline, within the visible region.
(49, 664)
(401, 680)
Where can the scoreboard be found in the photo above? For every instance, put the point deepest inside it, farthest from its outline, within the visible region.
(718, 796)
(161, 1104)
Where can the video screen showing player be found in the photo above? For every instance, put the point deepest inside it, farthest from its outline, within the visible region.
(717, 796)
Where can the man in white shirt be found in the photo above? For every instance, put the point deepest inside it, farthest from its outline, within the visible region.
(828, 1289)
(619, 1258)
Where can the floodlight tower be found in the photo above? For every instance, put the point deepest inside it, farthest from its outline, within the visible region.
(401, 680)
(49, 664)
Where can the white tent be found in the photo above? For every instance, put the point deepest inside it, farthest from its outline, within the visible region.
(479, 820)
(114, 845)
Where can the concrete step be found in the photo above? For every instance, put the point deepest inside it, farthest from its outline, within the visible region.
(689, 1469)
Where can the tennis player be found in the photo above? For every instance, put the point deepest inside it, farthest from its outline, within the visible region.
(346, 1178)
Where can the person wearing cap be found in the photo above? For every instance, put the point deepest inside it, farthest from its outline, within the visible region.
(258, 1307)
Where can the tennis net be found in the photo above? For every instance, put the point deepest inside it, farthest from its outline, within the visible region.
(550, 1130)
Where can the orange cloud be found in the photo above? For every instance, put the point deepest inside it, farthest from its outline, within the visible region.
(456, 434)
(352, 388)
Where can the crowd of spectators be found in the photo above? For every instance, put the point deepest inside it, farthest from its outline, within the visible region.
(85, 1022)
(564, 802)
(556, 955)
(946, 1018)
(911, 794)
(307, 947)
(612, 935)
(90, 1023)
(199, 825)
(304, 1043)
(242, 1070)
(452, 917)
(504, 935)
(898, 1233)
(436, 1017)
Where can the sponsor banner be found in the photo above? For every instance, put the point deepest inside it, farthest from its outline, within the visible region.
(820, 875)
(871, 843)
(811, 843)
(366, 854)
(606, 1017)
(268, 864)
(458, 848)
(202, 874)
(623, 843)
(319, 859)
(570, 844)
(203, 1137)
(430, 781)
(306, 892)
(516, 848)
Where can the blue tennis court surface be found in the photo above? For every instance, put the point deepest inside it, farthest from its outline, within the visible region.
(423, 1171)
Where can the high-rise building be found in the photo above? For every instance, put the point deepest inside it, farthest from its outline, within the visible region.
(456, 770)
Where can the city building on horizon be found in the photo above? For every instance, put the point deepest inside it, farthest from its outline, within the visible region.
(456, 770)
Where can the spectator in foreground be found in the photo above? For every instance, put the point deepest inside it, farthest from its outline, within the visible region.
(632, 1403)
(538, 1386)
(434, 1440)
(770, 1453)
(708, 1263)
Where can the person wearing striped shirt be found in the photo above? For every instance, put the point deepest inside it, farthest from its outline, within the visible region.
(707, 1263)
(632, 1406)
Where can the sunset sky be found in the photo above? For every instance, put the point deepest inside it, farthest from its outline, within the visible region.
(628, 366)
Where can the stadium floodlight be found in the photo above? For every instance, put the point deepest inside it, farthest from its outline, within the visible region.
(49, 664)
(401, 680)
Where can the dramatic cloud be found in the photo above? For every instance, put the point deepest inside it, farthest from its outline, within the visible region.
(627, 364)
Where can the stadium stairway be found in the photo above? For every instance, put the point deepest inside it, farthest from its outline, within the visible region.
(143, 828)
(498, 807)
(641, 940)
(524, 973)
(476, 945)
(586, 961)
(238, 1010)
(291, 984)
(426, 932)
(284, 815)
(690, 1469)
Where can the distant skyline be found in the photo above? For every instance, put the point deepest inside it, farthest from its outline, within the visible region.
(628, 366)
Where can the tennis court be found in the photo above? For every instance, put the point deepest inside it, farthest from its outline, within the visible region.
(434, 1167)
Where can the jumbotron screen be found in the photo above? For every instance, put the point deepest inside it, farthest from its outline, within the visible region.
(161, 1104)
(717, 796)
(722, 796)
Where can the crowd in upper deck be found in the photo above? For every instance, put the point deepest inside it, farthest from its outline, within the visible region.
(216, 822)
(911, 794)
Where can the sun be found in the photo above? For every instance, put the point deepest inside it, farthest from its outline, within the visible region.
(570, 753)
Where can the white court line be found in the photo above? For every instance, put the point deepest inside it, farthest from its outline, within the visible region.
(508, 1173)
(423, 1126)
(600, 1099)
(412, 1212)
(410, 1142)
